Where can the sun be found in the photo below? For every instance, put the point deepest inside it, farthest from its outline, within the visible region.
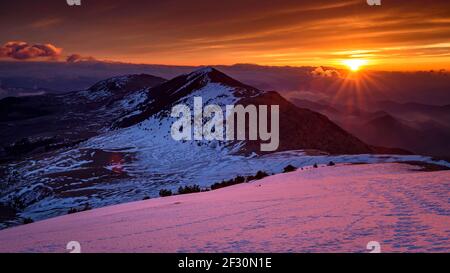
(354, 64)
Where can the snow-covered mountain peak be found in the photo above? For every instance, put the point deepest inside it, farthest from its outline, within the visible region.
(201, 72)
(212, 85)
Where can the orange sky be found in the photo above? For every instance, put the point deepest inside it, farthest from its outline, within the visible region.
(398, 35)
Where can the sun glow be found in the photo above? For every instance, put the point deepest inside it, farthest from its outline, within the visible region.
(354, 64)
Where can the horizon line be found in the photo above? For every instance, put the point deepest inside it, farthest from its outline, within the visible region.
(367, 68)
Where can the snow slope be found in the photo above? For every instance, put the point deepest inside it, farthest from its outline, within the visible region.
(328, 209)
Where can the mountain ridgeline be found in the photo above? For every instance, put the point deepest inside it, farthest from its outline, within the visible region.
(126, 101)
(299, 128)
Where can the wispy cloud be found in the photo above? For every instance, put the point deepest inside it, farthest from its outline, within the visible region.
(45, 23)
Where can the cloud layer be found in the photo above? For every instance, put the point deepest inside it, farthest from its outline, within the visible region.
(23, 51)
(321, 72)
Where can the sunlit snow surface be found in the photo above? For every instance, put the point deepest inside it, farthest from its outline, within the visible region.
(328, 209)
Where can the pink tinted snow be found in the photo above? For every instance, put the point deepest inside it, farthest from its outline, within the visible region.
(329, 209)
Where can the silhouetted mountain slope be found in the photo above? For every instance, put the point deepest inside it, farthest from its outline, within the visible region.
(305, 129)
(391, 132)
(418, 128)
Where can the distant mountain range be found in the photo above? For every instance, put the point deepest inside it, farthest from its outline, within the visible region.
(427, 87)
(419, 128)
